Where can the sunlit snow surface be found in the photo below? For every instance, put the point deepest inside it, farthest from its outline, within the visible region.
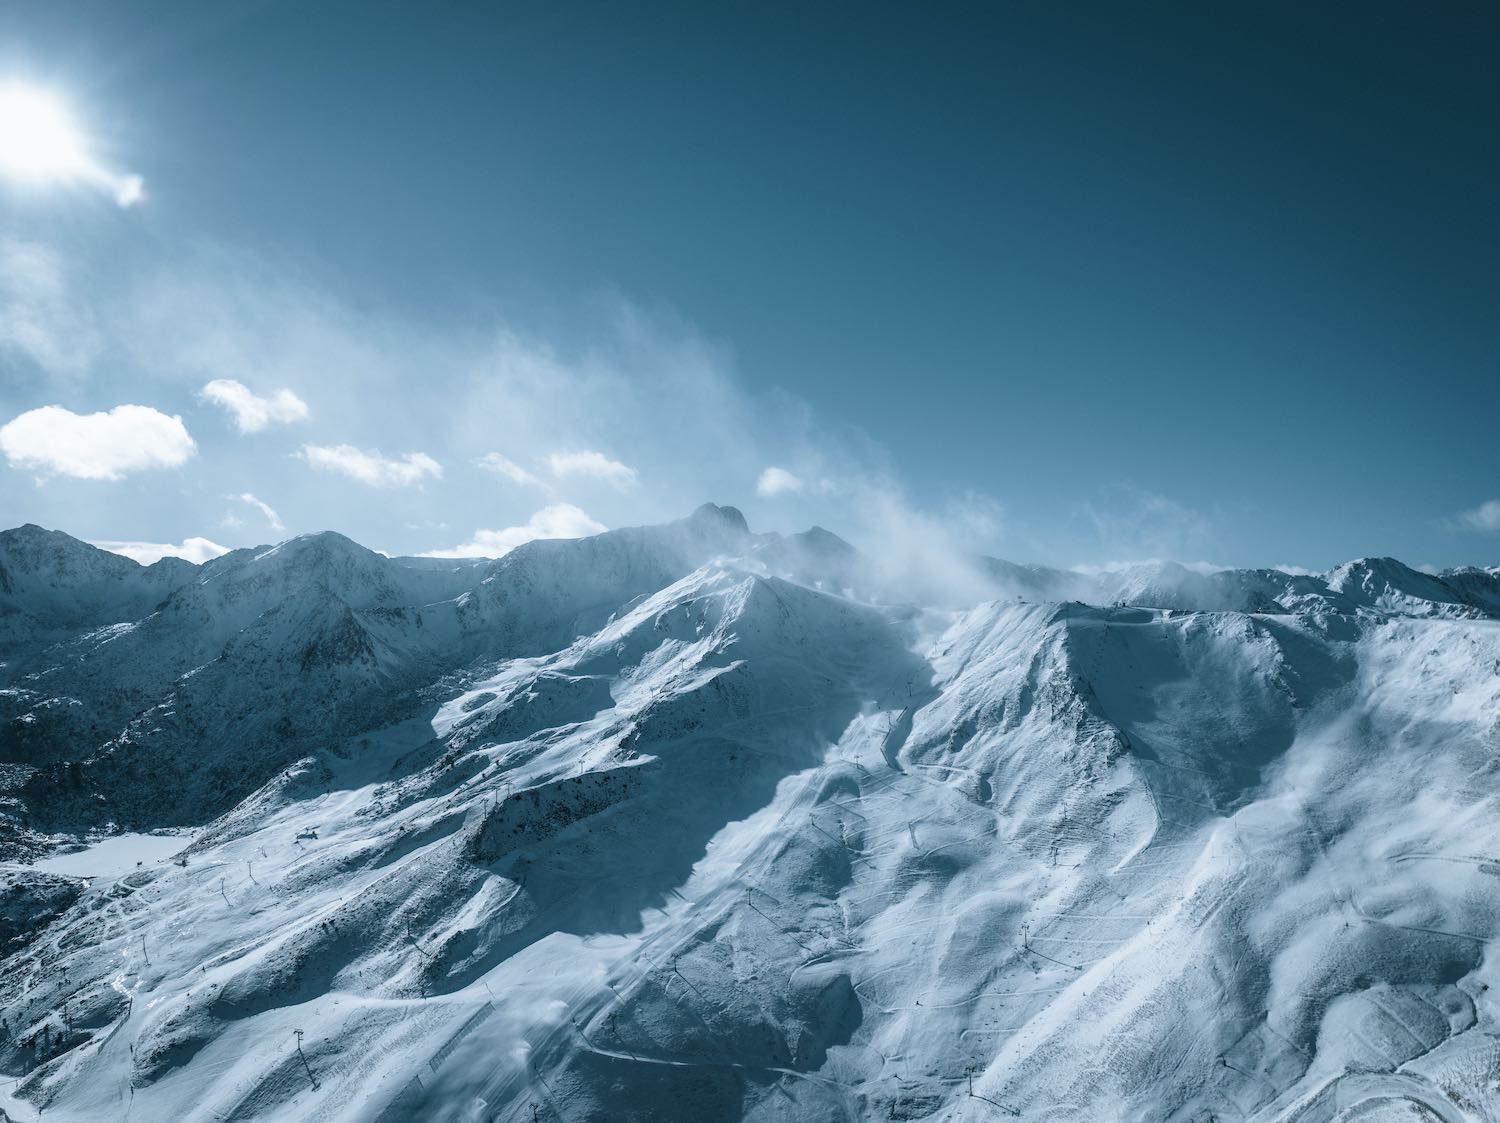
(114, 856)
(748, 849)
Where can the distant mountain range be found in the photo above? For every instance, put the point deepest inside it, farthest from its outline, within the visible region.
(691, 822)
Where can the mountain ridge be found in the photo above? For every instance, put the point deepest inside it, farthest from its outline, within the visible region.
(691, 822)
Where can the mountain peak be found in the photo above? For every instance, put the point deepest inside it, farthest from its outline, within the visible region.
(823, 541)
(35, 548)
(711, 515)
(31, 535)
(317, 543)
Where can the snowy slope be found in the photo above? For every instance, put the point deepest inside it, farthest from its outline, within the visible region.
(687, 822)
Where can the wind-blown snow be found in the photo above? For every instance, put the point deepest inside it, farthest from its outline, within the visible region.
(685, 822)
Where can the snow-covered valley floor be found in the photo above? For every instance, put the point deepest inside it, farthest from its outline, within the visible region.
(114, 856)
(682, 823)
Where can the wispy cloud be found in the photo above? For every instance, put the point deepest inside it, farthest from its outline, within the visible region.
(502, 465)
(41, 317)
(916, 554)
(251, 412)
(195, 550)
(96, 446)
(1485, 517)
(978, 518)
(777, 481)
(370, 467)
(581, 413)
(1131, 522)
(1125, 565)
(589, 464)
(273, 520)
(560, 520)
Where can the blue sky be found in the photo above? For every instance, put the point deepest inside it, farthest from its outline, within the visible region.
(1079, 284)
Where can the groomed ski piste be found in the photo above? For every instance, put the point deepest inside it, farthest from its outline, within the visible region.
(691, 823)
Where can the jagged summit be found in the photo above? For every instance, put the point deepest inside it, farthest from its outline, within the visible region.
(728, 519)
(1387, 583)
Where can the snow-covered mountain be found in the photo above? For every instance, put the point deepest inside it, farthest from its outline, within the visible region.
(689, 822)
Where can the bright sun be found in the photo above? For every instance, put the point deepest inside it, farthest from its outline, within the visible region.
(42, 146)
(39, 141)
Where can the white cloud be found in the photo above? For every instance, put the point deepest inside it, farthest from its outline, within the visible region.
(561, 520)
(251, 412)
(1484, 517)
(592, 465)
(195, 550)
(371, 467)
(504, 466)
(96, 446)
(271, 517)
(777, 481)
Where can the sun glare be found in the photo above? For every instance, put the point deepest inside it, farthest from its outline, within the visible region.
(42, 145)
(39, 141)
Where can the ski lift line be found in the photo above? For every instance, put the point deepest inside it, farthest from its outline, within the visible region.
(713, 1034)
(679, 1062)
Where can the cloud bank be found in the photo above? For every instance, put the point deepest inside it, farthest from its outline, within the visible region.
(195, 550)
